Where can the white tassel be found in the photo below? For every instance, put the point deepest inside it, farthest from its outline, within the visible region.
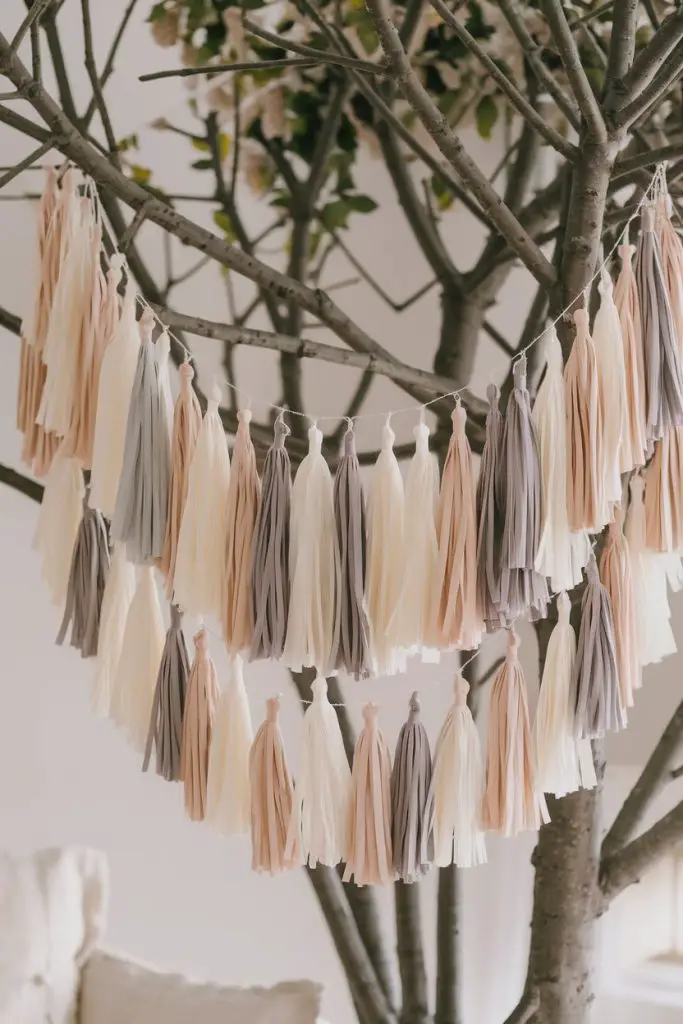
(609, 356)
(118, 596)
(457, 789)
(563, 763)
(116, 384)
(200, 562)
(323, 786)
(384, 575)
(228, 806)
(141, 650)
(162, 352)
(562, 554)
(313, 563)
(413, 624)
(60, 514)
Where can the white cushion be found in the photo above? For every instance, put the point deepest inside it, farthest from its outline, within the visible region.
(52, 909)
(117, 991)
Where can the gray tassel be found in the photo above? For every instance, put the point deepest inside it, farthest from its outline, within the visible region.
(518, 492)
(596, 682)
(489, 520)
(87, 580)
(351, 646)
(411, 777)
(270, 574)
(139, 518)
(663, 371)
(166, 722)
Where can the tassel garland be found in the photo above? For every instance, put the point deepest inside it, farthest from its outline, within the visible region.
(168, 705)
(596, 682)
(369, 858)
(228, 806)
(244, 495)
(489, 519)
(411, 779)
(634, 437)
(118, 595)
(201, 700)
(87, 580)
(272, 798)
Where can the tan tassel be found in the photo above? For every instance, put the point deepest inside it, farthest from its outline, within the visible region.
(512, 803)
(458, 623)
(201, 700)
(609, 356)
(617, 579)
(244, 495)
(584, 431)
(634, 440)
(664, 494)
(369, 859)
(187, 420)
(272, 798)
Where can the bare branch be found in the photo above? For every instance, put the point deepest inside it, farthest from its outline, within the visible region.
(651, 57)
(647, 159)
(668, 75)
(508, 87)
(35, 13)
(409, 947)
(324, 145)
(447, 913)
(352, 409)
(253, 65)
(19, 482)
(36, 56)
(24, 164)
(9, 321)
(95, 82)
(109, 62)
(622, 45)
(132, 229)
(496, 336)
(324, 56)
(571, 59)
(628, 865)
(526, 1007)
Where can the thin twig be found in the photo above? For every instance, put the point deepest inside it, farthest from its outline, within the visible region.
(27, 161)
(324, 56)
(95, 82)
(652, 57)
(668, 75)
(246, 65)
(526, 1007)
(571, 59)
(133, 228)
(354, 407)
(19, 482)
(109, 62)
(628, 865)
(35, 13)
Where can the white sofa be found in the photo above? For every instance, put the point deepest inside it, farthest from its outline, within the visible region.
(52, 914)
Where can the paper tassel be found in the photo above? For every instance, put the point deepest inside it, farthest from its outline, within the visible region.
(272, 797)
(561, 554)
(141, 651)
(117, 375)
(200, 566)
(87, 580)
(369, 859)
(649, 572)
(162, 353)
(609, 357)
(40, 446)
(596, 681)
(313, 563)
(228, 804)
(457, 789)
(413, 624)
(671, 252)
(187, 421)
(320, 821)
(351, 626)
(58, 520)
(411, 778)
(518, 487)
(118, 595)
(584, 431)
(142, 498)
(617, 578)
(662, 358)
(386, 553)
(202, 698)
(457, 620)
(512, 801)
(270, 574)
(563, 763)
(244, 495)
(168, 704)
(634, 438)
(664, 494)
(35, 324)
(489, 519)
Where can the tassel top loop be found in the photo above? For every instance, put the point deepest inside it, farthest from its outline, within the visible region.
(244, 419)
(176, 617)
(273, 709)
(553, 349)
(492, 395)
(513, 645)
(186, 377)
(519, 372)
(349, 440)
(605, 286)
(582, 324)
(421, 434)
(215, 398)
(146, 324)
(414, 705)
(281, 431)
(626, 251)
(647, 222)
(460, 690)
(319, 688)
(458, 419)
(315, 439)
(616, 527)
(370, 715)
(388, 436)
(564, 607)
(592, 574)
(116, 265)
(201, 642)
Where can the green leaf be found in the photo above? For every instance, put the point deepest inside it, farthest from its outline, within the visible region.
(314, 242)
(367, 36)
(361, 204)
(157, 12)
(128, 143)
(442, 194)
(335, 214)
(486, 115)
(283, 200)
(596, 77)
(141, 175)
(201, 144)
(224, 144)
(202, 165)
(221, 220)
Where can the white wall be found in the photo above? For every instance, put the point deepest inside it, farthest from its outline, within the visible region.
(182, 897)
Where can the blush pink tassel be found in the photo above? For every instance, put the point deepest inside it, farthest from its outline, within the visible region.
(634, 439)
(200, 708)
(244, 495)
(187, 420)
(617, 579)
(369, 859)
(272, 798)
(585, 485)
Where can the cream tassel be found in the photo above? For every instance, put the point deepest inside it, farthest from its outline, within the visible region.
(187, 421)
(457, 789)
(585, 501)
(563, 763)
(386, 551)
(369, 859)
(199, 574)
(457, 621)
(596, 682)
(141, 650)
(513, 802)
(413, 624)
(609, 357)
(634, 439)
(244, 495)
(58, 521)
(411, 779)
(202, 697)
(561, 553)
(272, 797)
(117, 374)
(320, 820)
(617, 578)
(313, 563)
(228, 805)
(118, 596)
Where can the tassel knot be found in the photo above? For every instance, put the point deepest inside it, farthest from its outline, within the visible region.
(461, 688)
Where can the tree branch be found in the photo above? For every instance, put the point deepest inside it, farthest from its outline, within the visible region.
(628, 865)
(19, 482)
(571, 59)
(621, 48)
(256, 65)
(526, 1007)
(24, 164)
(324, 56)
(109, 62)
(651, 57)
(409, 947)
(95, 82)
(35, 13)
(447, 907)
(664, 80)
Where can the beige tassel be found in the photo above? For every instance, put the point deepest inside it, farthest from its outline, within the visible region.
(244, 494)
(664, 494)
(584, 432)
(118, 596)
(369, 859)
(512, 803)
(272, 798)
(617, 579)
(634, 439)
(202, 697)
(458, 623)
(58, 521)
(228, 801)
(609, 356)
